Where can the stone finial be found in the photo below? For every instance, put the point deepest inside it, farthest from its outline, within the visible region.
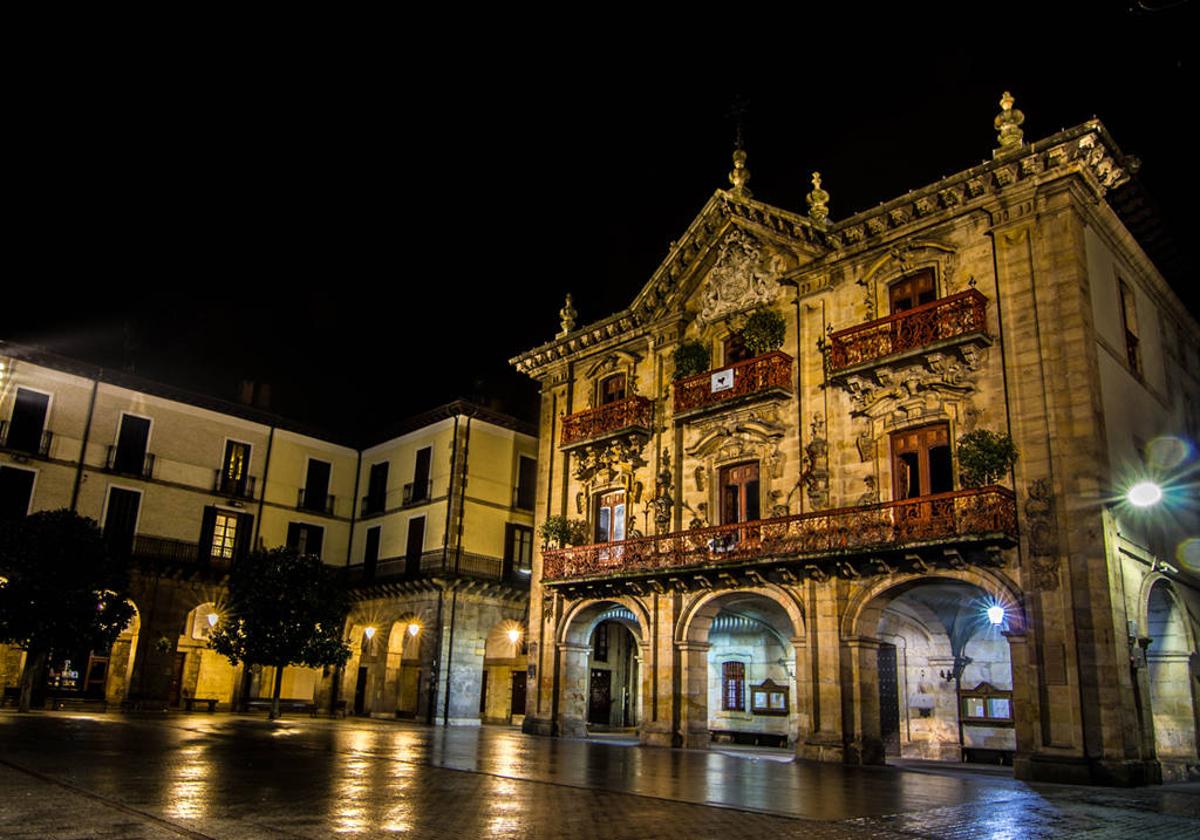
(1008, 124)
(818, 207)
(740, 174)
(566, 317)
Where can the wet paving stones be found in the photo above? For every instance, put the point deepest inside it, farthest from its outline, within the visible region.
(238, 777)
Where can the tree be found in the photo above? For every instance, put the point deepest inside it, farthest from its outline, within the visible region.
(285, 609)
(984, 457)
(62, 588)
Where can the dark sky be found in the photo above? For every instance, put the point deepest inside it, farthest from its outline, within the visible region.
(375, 218)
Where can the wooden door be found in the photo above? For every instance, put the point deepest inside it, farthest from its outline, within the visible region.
(415, 545)
(518, 693)
(739, 493)
(921, 462)
(360, 691)
(734, 350)
(28, 421)
(120, 520)
(610, 516)
(612, 389)
(600, 697)
(912, 291)
(132, 442)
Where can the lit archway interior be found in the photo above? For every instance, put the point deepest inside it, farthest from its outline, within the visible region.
(1172, 701)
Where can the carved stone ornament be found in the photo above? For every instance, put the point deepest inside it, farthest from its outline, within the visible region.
(603, 462)
(816, 466)
(1043, 534)
(865, 443)
(662, 504)
(916, 389)
(738, 281)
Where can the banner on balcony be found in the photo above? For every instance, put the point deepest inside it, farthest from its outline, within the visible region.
(722, 380)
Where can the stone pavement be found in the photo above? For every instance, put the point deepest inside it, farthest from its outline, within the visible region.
(201, 776)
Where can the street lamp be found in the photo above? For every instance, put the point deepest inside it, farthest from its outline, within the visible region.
(369, 633)
(213, 618)
(1144, 494)
(514, 635)
(413, 628)
(995, 614)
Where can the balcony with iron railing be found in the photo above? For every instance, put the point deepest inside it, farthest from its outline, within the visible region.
(769, 375)
(435, 563)
(630, 415)
(37, 445)
(122, 462)
(372, 504)
(417, 492)
(163, 554)
(977, 517)
(315, 502)
(233, 488)
(940, 323)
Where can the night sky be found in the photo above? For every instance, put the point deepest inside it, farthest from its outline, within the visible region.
(375, 219)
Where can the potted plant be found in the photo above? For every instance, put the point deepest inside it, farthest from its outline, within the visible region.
(984, 457)
(764, 332)
(559, 532)
(690, 358)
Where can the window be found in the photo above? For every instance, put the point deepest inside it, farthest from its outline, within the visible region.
(921, 462)
(421, 488)
(526, 482)
(129, 456)
(769, 699)
(600, 642)
(120, 518)
(16, 492)
(225, 534)
(518, 547)
(315, 495)
(1129, 323)
(415, 544)
(371, 551)
(612, 389)
(912, 291)
(733, 686)
(735, 349)
(25, 429)
(235, 474)
(376, 499)
(610, 516)
(305, 538)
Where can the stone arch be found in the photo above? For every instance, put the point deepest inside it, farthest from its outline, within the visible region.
(1174, 714)
(504, 662)
(206, 674)
(574, 641)
(857, 614)
(121, 658)
(768, 641)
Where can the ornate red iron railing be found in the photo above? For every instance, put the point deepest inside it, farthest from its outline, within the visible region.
(753, 376)
(960, 314)
(630, 413)
(943, 517)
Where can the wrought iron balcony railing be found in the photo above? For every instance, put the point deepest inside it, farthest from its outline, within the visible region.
(315, 502)
(984, 512)
(372, 505)
(632, 413)
(761, 376)
(233, 488)
(164, 552)
(416, 492)
(961, 314)
(433, 563)
(33, 444)
(129, 463)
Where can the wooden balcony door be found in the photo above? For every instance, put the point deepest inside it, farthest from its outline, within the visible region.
(921, 466)
(612, 389)
(912, 291)
(739, 500)
(610, 516)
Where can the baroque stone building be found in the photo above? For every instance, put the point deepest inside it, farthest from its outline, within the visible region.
(791, 534)
(433, 526)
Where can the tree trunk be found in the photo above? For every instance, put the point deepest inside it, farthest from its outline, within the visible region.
(275, 695)
(35, 665)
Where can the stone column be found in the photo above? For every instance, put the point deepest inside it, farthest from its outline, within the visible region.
(693, 700)
(800, 701)
(573, 695)
(825, 739)
(860, 661)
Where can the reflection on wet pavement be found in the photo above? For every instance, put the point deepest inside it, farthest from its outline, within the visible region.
(229, 776)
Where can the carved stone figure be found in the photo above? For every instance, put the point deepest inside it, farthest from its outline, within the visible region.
(662, 504)
(865, 444)
(1043, 534)
(870, 496)
(816, 470)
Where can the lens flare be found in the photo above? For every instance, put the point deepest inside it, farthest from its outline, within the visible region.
(1144, 494)
(995, 614)
(1167, 452)
(1188, 554)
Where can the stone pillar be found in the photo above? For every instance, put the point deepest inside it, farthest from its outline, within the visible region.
(825, 738)
(800, 702)
(573, 697)
(693, 700)
(860, 662)
(1171, 707)
(1025, 709)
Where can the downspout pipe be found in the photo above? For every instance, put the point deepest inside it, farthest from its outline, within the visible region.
(462, 501)
(87, 432)
(262, 496)
(354, 507)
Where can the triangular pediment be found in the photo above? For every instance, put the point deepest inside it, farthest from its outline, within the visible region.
(728, 260)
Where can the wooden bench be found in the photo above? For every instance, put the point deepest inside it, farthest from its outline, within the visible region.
(756, 739)
(211, 702)
(285, 705)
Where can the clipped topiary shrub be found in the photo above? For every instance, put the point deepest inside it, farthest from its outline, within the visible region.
(984, 457)
(560, 532)
(691, 358)
(764, 332)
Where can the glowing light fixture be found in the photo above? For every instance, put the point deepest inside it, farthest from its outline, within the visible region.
(212, 619)
(514, 635)
(1144, 494)
(370, 633)
(995, 614)
(414, 628)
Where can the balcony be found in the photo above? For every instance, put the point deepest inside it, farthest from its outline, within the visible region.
(939, 324)
(417, 492)
(233, 488)
(162, 553)
(372, 505)
(433, 564)
(137, 464)
(927, 529)
(315, 502)
(35, 445)
(759, 378)
(633, 414)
